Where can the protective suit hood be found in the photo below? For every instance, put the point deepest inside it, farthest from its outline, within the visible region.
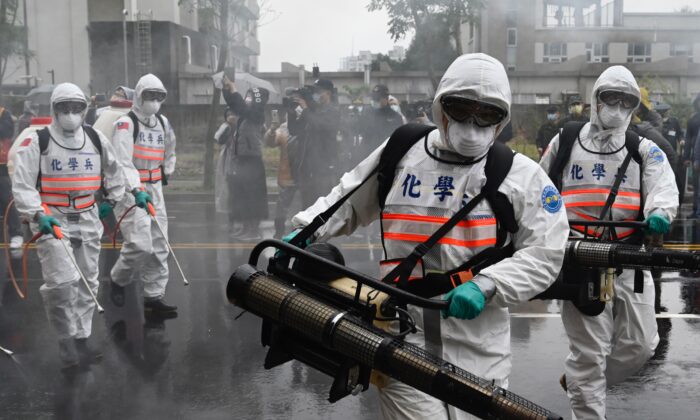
(147, 82)
(613, 78)
(474, 76)
(66, 92)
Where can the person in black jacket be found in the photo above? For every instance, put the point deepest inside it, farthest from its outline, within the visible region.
(315, 125)
(548, 130)
(246, 171)
(379, 122)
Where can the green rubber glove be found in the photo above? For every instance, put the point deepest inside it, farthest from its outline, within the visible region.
(142, 198)
(105, 210)
(46, 224)
(466, 301)
(658, 223)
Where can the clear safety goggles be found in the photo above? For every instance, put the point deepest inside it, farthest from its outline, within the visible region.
(462, 109)
(615, 97)
(69, 107)
(153, 95)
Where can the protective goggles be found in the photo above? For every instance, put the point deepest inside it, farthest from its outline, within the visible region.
(462, 109)
(69, 107)
(615, 97)
(153, 95)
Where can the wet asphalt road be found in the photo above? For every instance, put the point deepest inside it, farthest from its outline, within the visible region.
(206, 365)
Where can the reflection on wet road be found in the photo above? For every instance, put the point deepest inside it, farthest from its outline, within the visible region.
(204, 364)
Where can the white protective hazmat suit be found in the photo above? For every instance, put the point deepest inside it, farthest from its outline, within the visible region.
(145, 160)
(607, 348)
(61, 183)
(414, 210)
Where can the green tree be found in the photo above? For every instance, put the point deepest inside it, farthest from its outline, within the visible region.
(436, 25)
(12, 36)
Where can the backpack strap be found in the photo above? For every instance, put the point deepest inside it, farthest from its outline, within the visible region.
(94, 138)
(567, 137)
(135, 123)
(632, 142)
(44, 138)
(400, 142)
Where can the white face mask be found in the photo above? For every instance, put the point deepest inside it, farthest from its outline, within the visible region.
(468, 139)
(375, 104)
(317, 97)
(613, 116)
(396, 108)
(70, 122)
(150, 107)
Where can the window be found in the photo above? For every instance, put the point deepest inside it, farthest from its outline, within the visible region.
(597, 53)
(679, 50)
(556, 15)
(187, 45)
(512, 37)
(542, 98)
(639, 53)
(214, 57)
(554, 52)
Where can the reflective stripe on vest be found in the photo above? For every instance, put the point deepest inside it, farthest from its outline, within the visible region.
(148, 153)
(586, 184)
(69, 177)
(151, 176)
(422, 198)
(66, 184)
(149, 147)
(64, 200)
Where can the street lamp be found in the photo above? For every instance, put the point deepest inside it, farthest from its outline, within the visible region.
(126, 54)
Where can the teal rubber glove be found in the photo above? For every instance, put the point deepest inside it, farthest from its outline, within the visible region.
(658, 223)
(46, 224)
(466, 301)
(291, 235)
(142, 199)
(105, 209)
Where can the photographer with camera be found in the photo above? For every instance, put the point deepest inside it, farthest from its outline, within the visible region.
(314, 123)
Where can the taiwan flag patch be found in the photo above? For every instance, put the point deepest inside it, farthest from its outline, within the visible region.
(26, 142)
(122, 125)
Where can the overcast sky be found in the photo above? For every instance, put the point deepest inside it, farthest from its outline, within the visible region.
(324, 31)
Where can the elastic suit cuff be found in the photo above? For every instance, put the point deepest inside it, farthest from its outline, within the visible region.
(486, 285)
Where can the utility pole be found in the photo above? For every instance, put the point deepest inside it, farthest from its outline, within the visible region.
(26, 43)
(52, 72)
(126, 49)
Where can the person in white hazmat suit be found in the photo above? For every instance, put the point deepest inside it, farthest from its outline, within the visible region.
(148, 158)
(475, 335)
(119, 105)
(608, 348)
(54, 182)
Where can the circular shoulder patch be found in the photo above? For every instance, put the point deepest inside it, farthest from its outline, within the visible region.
(551, 199)
(656, 154)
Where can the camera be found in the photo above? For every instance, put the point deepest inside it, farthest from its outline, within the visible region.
(304, 92)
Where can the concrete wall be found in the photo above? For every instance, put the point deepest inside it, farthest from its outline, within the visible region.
(58, 38)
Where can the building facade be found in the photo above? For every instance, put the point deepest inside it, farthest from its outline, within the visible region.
(555, 48)
(82, 41)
